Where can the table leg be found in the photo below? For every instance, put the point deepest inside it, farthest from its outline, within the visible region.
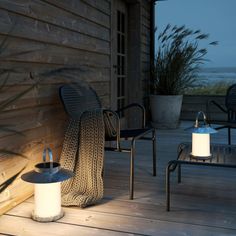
(179, 173)
(170, 168)
(168, 187)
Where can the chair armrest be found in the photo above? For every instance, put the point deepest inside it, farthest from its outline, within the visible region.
(141, 108)
(215, 104)
(110, 125)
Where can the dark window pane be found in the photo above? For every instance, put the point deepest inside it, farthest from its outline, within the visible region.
(122, 22)
(122, 82)
(121, 60)
(122, 65)
(123, 102)
(118, 20)
(123, 44)
(122, 105)
(118, 43)
(118, 65)
(118, 87)
(119, 104)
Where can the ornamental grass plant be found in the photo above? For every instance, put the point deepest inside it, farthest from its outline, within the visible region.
(178, 60)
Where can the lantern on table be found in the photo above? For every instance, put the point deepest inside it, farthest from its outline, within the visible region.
(201, 138)
(47, 178)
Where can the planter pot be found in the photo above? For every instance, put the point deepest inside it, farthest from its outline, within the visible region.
(165, 110)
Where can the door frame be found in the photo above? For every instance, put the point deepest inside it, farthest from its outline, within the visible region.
(134, 91)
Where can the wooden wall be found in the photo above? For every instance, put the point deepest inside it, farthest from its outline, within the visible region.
(43, 36)
(145, 49)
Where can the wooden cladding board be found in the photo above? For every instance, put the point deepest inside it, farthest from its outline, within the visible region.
(72, 40)
(58, 42)
(41, 124)
(145, 48)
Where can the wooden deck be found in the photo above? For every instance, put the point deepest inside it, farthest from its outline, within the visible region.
(203, 204)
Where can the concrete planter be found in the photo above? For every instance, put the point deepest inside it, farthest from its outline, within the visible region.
(165, 110)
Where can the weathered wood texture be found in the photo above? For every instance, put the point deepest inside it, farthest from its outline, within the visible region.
(194, 103)
(43, 36)
(203, 204)
(145, 48)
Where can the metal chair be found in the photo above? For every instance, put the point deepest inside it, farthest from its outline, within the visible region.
(78, 98)
(229, 109)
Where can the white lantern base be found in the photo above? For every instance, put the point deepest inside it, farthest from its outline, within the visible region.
(201, 157)
(47, 202)
(47, 219)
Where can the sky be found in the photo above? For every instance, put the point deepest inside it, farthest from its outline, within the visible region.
(216, 17)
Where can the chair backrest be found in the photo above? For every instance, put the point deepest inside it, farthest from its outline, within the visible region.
(78, 98)
(230, 103)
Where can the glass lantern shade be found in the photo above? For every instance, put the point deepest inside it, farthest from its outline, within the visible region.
(201, 145)
(47, 202)
(201, 137)
(47, 178)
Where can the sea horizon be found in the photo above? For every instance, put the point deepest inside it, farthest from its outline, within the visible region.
(218, 74)
(219, 68)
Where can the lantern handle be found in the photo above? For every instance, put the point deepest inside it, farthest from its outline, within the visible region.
(50, 156)
(197, 118)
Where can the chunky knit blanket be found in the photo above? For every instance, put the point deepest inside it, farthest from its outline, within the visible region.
(82, 153)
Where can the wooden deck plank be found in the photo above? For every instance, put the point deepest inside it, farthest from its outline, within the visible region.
(203, 204)
(124, 223)
(27, 227)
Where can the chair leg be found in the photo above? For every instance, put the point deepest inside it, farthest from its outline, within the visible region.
(154, 152)
(131, 182)
(229, 136)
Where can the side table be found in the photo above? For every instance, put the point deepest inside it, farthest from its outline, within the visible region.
(222, 156)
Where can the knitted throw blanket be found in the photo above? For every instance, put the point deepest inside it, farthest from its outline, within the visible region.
(82, 153)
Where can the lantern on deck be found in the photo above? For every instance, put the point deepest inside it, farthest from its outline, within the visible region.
(47, 178)
(201, 138)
